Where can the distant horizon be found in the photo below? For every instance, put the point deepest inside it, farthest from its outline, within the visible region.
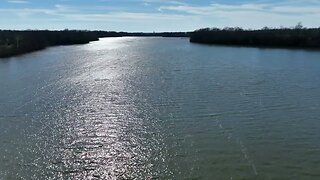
(165, 31)
(156, 15)
(105, 30)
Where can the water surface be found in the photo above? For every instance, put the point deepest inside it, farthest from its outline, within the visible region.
(162, 108)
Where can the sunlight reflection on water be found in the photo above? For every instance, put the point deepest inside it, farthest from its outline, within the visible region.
(108, 135)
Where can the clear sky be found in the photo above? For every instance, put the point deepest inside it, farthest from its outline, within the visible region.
(156, 15)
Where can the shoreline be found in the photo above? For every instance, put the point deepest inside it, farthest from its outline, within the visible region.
(265, 38)
(15, 43)
(259, 47)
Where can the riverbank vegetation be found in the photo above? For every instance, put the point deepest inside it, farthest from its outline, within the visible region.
(20, 42)
(296, 37)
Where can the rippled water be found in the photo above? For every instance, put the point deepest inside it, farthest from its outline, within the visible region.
(162, 108)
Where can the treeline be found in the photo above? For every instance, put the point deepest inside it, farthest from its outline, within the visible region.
(140, 34)
(297, 37)
(20, 42)
(161, 34)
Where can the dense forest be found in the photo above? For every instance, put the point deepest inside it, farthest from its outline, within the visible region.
(297, 37)
(20, 42)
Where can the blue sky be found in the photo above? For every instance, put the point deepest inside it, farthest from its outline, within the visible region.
(156, 15)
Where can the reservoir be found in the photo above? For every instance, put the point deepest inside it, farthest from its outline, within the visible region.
(160, 108)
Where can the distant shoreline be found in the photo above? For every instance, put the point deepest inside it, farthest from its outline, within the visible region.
(14, 43)
(295, 38)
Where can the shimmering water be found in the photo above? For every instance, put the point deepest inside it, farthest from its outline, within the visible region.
(161, 108)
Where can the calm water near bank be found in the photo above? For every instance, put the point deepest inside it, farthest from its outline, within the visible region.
(161, 108)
